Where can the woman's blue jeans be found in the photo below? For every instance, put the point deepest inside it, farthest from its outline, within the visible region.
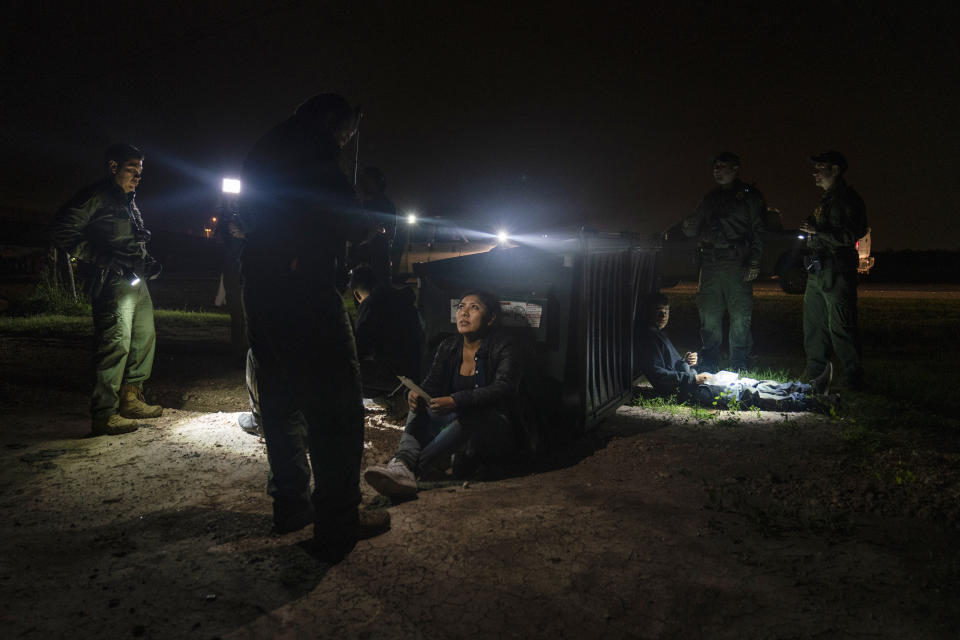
(430, 439)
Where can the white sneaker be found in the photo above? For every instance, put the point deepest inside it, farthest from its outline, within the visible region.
(393, 479)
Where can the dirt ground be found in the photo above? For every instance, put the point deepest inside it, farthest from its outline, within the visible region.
(653, 526)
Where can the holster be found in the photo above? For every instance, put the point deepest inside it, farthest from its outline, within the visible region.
(101, 276)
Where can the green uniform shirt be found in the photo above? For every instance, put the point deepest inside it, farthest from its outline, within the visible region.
(730, 222)
(102, 224)
(840, 220)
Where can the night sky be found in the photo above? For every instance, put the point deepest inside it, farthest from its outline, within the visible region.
(528, 115)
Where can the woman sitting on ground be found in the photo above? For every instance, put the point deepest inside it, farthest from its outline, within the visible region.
(473, 384)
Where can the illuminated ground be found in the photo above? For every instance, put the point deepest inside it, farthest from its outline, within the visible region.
(660, 525)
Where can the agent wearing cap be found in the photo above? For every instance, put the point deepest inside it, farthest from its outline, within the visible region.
(102, 228)
(299, 214)
(729, 227)
(830, 301)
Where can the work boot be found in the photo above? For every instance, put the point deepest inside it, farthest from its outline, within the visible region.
(132, 404)
(293, 522)
(113, 426)
(372, 523)
(828, 403)
(821, 384)
(394, 479)
(331, 546)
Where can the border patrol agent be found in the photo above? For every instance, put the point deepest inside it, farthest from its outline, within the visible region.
(299, 214)
(729, 227)
(102, 227)
(830, 301)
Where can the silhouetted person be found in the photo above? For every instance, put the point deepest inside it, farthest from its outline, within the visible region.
(389, 337)
(830, 301)
(729, 227)
(230, 237)
(378, 250)
(102, 227)
(298, 212)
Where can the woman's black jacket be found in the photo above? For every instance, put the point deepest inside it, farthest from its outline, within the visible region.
(497, 378)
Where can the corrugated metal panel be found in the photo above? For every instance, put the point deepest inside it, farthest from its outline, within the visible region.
(592, 293)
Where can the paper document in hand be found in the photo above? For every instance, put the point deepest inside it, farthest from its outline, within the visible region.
(410, 384)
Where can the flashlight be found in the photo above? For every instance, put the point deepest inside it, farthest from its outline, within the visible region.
(411, 218)
(231, 185)
(502, 236)
(134, 279)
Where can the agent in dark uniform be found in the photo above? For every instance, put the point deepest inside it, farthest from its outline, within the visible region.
(830, 301)
(378, 251)
(729, 227)
(298, 212)
(389, 337)
(101, 226)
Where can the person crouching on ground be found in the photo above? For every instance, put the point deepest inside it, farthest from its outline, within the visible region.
(473, 383)
(672, 374)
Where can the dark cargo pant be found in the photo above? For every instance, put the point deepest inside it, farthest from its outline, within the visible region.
(309, 386)
(721, 290)
(830, 322)
(125, 340)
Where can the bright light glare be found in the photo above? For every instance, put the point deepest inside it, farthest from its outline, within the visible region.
(135, 280)
(502, 236)
(411, 218)
(231, 185)
(801, 237)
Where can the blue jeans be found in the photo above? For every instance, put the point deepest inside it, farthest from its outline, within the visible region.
(768, 395)
(430, 439)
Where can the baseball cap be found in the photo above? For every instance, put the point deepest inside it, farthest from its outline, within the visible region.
(831, 157)
(726, 156)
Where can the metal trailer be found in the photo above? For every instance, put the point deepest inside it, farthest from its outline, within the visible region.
(577, 306)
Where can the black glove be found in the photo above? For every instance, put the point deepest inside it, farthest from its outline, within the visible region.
(751, 272)
(152, 268)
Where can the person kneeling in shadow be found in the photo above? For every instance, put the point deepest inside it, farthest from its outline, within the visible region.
(672, 374)
(473, 383)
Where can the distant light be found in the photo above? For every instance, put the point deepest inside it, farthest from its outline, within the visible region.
(502, 236)
(213, 219)
(411, 218)
(802, 237)
(231, 185)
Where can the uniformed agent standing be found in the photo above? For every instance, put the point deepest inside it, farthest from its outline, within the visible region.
(830, 301)
(299, 213)
(379, 251)
(102, 228)
(729, 227)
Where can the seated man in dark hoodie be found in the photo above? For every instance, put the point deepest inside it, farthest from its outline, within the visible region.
(473, 386)
(389, 337)
(672, 374)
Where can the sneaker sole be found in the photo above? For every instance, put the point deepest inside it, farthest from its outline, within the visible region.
(387, 486)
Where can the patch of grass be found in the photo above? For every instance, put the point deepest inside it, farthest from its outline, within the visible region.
(48, 298)
(172, 319)
(700, 414)
(50, 325)
(47, 326)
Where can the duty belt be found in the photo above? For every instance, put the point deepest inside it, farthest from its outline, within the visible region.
(718, 253)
